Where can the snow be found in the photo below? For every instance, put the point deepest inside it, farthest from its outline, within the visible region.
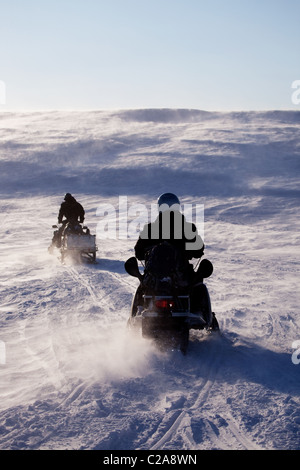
(73, 376)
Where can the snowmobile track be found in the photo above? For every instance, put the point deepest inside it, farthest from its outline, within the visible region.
(178, 422)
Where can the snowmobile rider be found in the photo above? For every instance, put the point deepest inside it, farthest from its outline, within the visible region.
(72, 211)
(172, 227)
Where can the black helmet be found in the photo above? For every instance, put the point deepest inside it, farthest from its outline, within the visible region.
(68, 197)
(168, 201)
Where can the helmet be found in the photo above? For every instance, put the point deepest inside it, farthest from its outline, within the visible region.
(167, 202)
(68, 197)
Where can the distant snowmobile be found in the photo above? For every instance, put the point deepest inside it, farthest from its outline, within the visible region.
(164, 307)
(76, 241)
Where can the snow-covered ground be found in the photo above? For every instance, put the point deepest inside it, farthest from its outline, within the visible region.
(73, 376)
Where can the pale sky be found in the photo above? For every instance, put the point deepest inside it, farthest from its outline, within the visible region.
(114, 54)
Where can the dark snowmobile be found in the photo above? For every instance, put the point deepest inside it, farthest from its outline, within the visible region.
(75, 241)
(168, 302)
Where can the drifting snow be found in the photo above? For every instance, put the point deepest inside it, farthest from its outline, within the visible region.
(73, 377)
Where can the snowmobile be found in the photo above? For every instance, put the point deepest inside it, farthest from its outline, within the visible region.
(166, 307)
(76, 242)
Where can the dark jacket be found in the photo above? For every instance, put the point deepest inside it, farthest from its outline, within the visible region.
(173, 228)
(71, 210)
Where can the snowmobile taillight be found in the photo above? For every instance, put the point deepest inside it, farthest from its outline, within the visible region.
(165, 304)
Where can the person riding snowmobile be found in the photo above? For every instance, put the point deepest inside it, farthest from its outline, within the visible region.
(172, 228)
(72, 211)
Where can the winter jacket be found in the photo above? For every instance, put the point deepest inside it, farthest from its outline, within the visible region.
(173, 228)
(71, 210)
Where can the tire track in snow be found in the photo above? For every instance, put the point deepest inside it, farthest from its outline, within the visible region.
(240, 436)
(106, 294)
(173, 423)
(234, 436)
(203, 387)
(178, 422)
(74, 274)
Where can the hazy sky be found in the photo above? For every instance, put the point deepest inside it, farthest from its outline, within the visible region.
(111, 54)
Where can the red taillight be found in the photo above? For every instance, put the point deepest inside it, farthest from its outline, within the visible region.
(165, 304)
